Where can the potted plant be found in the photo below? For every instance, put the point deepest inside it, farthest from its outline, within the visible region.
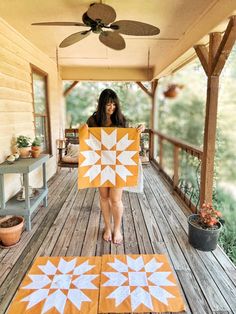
(23, 143)
(204, 228)
(10, 230)
(36, 147)
(173, 90)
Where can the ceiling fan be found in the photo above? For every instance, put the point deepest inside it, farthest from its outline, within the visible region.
(101, 20)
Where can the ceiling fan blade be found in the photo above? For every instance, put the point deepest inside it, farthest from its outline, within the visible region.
(59, 24)
(72, 39)
(135, 28)
(112, 40)
(103, 12)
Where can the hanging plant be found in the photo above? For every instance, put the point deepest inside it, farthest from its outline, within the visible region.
(173, 90)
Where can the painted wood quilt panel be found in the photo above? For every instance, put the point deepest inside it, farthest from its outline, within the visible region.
(138, 284)
(56, 285)
(108, 157)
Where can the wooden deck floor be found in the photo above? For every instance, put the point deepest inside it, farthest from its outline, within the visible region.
(154, 222)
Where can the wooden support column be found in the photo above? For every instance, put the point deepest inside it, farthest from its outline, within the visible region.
(213, 61)
(152, 118)
(207, 169)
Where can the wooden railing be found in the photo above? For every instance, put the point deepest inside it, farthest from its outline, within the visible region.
(177, 146)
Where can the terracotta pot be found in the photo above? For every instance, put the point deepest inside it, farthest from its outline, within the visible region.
(171, 93)
(24, 152)
(36, 148)
(11, 235)
(173, 90)
(35, 153)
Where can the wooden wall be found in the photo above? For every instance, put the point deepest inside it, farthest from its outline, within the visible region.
(16, 104)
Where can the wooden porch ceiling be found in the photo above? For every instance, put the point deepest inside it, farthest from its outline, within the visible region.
(183, 23)
(154, 222)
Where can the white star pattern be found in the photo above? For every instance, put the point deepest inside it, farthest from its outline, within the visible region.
(137, 273)
(60, 277)
(108, 157)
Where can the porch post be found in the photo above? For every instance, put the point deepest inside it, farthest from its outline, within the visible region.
(152, 118)
(213, 62)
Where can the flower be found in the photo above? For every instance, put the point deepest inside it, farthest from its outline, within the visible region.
(209, 216)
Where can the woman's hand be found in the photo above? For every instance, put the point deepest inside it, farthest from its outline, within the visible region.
(83, 125)
(141, 128)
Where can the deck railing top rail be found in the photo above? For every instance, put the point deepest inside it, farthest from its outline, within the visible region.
(192, 149)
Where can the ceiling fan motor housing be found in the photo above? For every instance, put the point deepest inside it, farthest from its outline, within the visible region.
(96, 26)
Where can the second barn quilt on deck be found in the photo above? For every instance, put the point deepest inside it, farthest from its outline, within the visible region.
(108, 157)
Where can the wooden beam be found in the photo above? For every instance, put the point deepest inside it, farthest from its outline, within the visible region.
(225, 47)
(214, 43)
(207, 168)
(154, 86)
(152, 118)
(144, 89)
(69, 89)
(202, 53)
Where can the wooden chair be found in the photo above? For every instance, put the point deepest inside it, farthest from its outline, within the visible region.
(71, 137)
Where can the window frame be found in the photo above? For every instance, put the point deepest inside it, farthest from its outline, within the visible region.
(46, 116)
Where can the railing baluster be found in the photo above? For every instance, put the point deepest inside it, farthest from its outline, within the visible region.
(176, 166)
(161, 152)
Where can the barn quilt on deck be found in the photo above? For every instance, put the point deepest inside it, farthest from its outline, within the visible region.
(138, 283)
(68, 285)
(125, 283)
(108, 157)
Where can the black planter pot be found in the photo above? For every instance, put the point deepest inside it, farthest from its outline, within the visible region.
(202, 239)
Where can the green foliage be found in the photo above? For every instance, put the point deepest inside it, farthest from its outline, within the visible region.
(183, 117)
(227, 204)
(82, 102)
(37, 141)
(23, 141)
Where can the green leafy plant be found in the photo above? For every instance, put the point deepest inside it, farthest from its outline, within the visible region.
(209, 216)
(37, 141)
(23, 141)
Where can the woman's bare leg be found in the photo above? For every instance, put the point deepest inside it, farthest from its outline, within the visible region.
(106, 212)
(117, 208)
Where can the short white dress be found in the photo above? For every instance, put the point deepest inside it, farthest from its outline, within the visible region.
(139, 187)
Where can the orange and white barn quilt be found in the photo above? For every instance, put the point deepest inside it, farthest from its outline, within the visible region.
(56, 285)
(108, 157)
(138, 283)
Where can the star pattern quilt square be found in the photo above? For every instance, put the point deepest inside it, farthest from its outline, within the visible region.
(108, 157)
(56, 285)
(138, 283)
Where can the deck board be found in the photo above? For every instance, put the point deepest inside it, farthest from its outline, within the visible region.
(153, 222)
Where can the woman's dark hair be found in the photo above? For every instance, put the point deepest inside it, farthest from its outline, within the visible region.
(117, 118)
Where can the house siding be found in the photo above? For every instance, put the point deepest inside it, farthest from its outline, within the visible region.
(16, 99)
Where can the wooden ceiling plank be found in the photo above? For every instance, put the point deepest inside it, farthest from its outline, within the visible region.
(202, 53)
(225, 47)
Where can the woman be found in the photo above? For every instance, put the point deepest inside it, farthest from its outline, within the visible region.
(109, 114)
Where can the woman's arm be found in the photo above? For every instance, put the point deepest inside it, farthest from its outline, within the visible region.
(141, 128)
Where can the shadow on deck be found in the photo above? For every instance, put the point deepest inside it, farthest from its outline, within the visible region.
(153, 222)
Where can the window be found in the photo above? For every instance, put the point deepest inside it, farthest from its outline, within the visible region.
(41, 108)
